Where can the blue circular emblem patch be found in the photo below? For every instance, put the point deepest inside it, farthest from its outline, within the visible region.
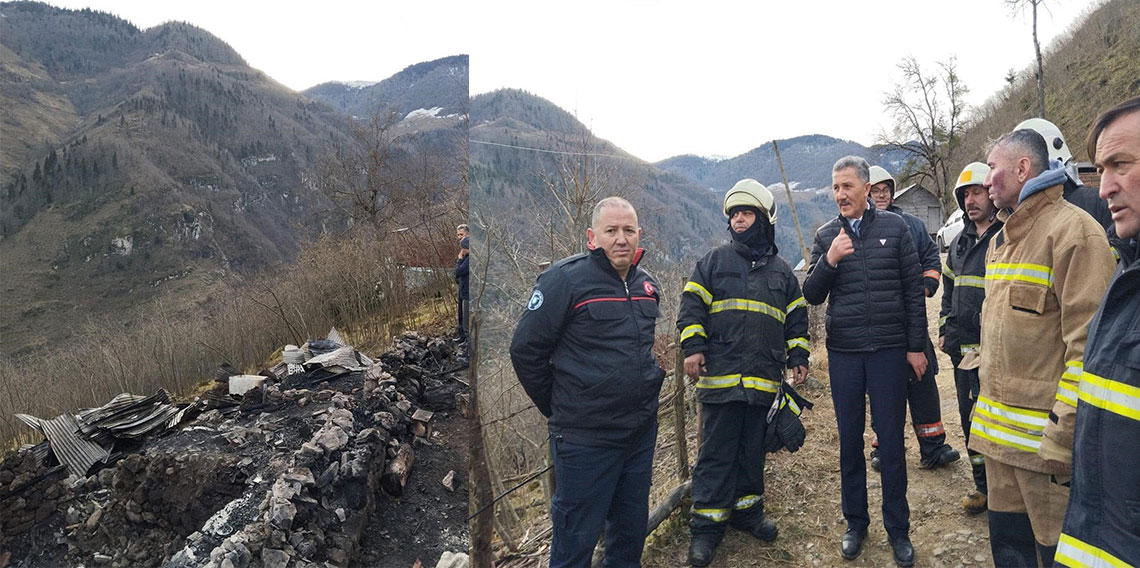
(535, 301)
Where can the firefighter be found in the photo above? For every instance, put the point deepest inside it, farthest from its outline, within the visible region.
(963, 290)
(1075, 192)
(742, 321)
(925, 405)
(1102, 524)
(1046, 271)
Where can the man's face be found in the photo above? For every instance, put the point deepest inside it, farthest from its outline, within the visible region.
(1008, 173)
(460, 234)
(742, 219)
(881, 195)
(1118, 160)
(849, 192)
(978, 204)
(616, 233)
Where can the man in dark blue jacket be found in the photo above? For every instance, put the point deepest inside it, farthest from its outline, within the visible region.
(583, 352)
(1102, 521)
(865, 265)
(925, 404)
(462, 278)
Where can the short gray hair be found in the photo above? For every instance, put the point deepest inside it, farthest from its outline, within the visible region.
(463, 227)
(612, 201)
(1026, 143)
(862, 168)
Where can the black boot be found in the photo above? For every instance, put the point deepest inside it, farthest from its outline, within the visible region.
(903, 551)
(1011, 540)
(701, 550)
(761, 528)
(942, 456)
(852, 543)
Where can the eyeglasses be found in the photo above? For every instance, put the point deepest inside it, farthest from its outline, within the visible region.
(880, 192)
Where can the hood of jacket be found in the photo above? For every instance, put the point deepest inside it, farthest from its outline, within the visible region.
(1055, 175)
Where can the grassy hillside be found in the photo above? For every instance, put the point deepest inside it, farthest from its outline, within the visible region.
(1092, 67)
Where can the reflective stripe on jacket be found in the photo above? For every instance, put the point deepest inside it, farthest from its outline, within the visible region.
(748, 318)
(1046, 272)
(1102, 522)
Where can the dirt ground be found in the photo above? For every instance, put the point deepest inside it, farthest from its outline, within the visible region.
(803, 498)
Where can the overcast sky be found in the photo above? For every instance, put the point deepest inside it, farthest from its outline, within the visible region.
(302, 44)
(656, 77)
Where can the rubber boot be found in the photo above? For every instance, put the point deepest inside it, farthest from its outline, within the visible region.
(1011, 540)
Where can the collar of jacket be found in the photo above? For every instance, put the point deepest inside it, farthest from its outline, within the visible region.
(1055, 175)
(1020, 220)
(868, 217)
(970, 237)
(598, 255)
(745, 252)
(1129, 253)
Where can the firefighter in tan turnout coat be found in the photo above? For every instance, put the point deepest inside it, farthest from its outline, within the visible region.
(1046, 272)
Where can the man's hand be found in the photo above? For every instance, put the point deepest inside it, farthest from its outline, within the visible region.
(799, 375)
(942, 343)
(917, 362)
(840, 247)
(694, 365)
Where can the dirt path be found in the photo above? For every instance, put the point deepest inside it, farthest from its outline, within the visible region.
(803, 499)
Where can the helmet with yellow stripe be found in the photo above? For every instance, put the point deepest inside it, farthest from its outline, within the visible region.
(973, 174)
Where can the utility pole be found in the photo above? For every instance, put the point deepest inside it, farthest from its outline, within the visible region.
(792, 203)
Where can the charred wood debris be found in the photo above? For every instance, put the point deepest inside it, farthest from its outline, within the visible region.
(280, 469)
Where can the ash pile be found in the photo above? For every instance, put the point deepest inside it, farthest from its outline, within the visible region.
(281, 469)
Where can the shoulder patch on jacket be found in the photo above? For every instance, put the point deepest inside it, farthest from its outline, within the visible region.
(535, 301)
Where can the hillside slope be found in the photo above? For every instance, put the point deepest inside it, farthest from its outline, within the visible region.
(144, 164)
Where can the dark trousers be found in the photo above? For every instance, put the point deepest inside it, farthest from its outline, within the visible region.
(967, 385)
(882, 377)
(462, 309)
(925, 408)
(728, 480)
(596, 488)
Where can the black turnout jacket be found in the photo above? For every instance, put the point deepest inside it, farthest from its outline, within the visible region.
(964, 288)
(748, 318)
(1103, 516)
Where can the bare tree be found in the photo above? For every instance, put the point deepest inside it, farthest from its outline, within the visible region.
(928, 110)
(1017, 5)
(579, 176)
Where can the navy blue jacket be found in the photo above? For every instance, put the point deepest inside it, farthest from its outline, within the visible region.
(583, 350)
(876, 293)
(1104, 503)
(928, 255)
(463, 272)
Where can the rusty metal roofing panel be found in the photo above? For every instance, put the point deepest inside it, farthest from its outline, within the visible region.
(70, 447)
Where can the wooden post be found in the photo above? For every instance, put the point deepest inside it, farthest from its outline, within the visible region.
(482, 526)
(679, 412)
(792, 204)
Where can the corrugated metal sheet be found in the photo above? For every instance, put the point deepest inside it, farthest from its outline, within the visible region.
(70, 447)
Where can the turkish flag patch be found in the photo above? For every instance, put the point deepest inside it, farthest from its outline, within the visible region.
(648, 288)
